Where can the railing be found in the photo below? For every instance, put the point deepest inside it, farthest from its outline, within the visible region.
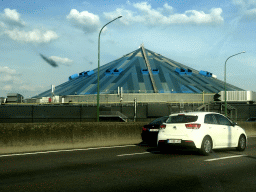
(114, 114)
(231, 115)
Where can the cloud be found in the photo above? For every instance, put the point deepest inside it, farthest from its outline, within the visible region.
(244, 3)
(49, 61)
(27, 87)
(86, 3)
(12, 17)
(63, 61)
(9, 76)
(128, 18)
(165, 16)
(20, 88)
(250, 14)
(2, 25)
(10, 25)
(11, 81)
(84, 20)
(7, 87)
(128, 2)
(247, 8)
(7, 70)
(34, 36)
(166, 10)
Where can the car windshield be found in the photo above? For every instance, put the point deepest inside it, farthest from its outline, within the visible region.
(182, 119)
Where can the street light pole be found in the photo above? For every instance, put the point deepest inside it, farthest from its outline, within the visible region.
(225, 88)
(98, 89)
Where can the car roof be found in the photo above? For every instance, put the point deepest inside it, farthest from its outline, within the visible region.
(163, 117)
(194, 113)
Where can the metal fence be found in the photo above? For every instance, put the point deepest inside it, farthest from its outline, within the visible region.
(17, 113)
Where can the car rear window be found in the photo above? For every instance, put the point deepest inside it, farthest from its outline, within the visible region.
(182, 119)
(159, 121)
(252, 119)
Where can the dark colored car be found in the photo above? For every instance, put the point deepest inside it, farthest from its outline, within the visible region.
(150, 131)
(251, 119)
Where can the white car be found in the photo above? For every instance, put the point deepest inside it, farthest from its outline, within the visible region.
(202, 130)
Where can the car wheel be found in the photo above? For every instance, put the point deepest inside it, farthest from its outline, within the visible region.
(206, 146)
(241, 143)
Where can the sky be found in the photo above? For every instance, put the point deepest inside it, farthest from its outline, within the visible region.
(42, 43)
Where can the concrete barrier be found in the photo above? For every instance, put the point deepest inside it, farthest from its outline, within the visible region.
(27, 137)
(250, 127)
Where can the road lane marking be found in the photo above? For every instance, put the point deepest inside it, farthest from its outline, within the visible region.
(215, 159)
(132, 154)
(65, 150)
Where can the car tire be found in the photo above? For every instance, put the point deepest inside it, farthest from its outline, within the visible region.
(206, 146)
(241, 143)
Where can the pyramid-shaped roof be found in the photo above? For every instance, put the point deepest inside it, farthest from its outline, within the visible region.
(142, 71)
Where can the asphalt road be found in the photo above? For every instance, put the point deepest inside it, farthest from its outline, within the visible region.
(130, 168)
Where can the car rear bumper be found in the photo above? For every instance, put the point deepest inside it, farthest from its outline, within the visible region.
(183, 144)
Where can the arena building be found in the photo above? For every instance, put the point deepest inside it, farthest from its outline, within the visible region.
(139, 85)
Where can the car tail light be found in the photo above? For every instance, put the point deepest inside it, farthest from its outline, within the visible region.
(193, 126)
(144, 129)
(162, 126)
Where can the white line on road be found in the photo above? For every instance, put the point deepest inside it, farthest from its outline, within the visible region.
(66, 150)
(133, 154)
(215, 159)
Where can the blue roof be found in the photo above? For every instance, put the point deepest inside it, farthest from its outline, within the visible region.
(142, 71)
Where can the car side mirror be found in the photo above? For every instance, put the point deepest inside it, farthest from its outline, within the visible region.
(234, 124)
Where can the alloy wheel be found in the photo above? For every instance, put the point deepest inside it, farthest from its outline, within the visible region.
(207, 146)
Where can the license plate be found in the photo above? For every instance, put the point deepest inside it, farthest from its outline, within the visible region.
(153, 130)
(174, 141)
